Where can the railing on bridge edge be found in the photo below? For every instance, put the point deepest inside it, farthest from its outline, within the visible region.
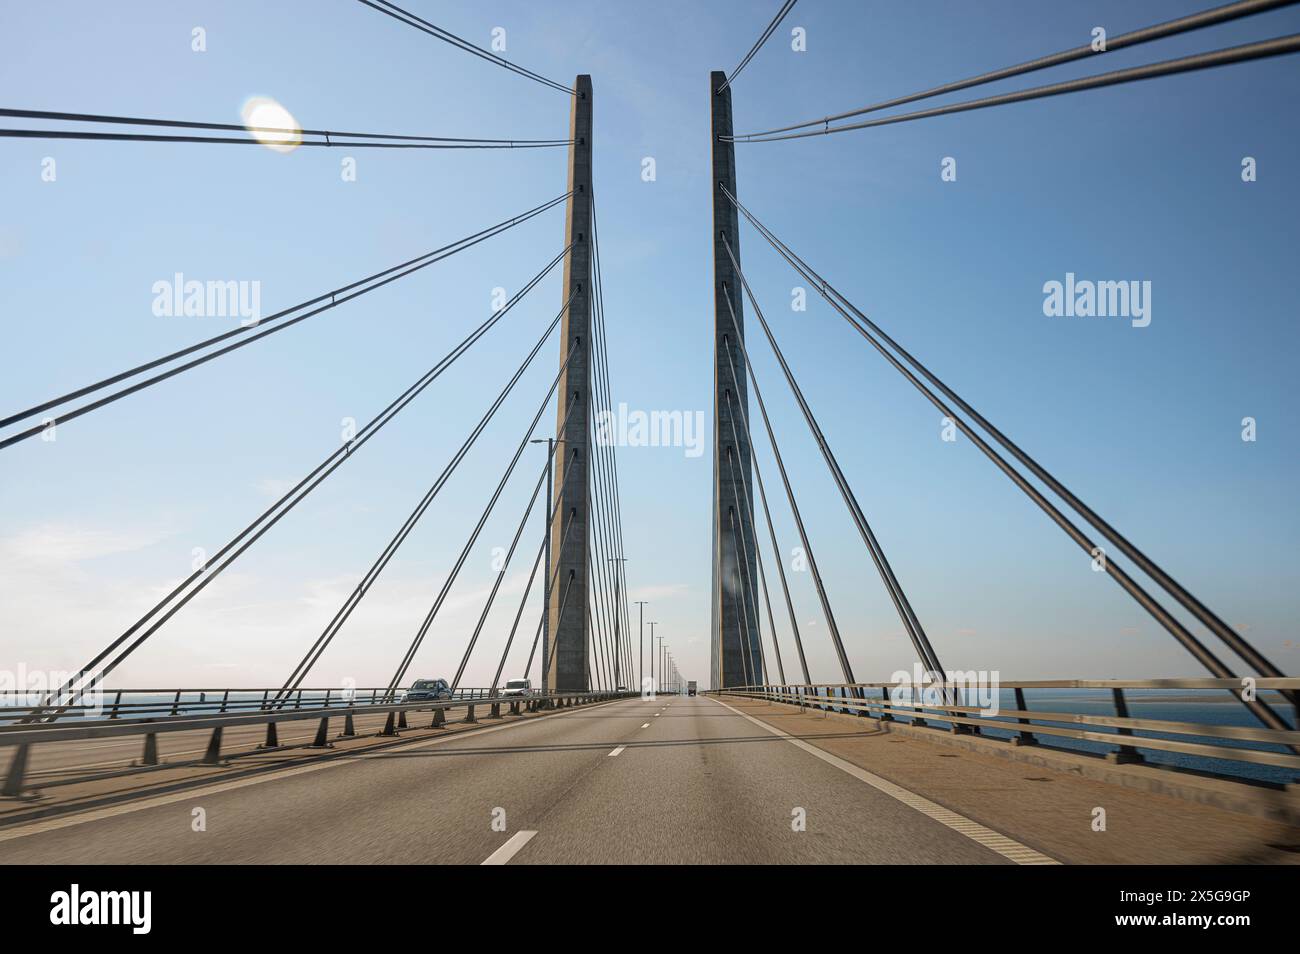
(238, 707)
(939, 701)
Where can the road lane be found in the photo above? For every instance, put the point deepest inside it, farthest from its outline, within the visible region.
(703, 785)
(672, 780)
(433, 801)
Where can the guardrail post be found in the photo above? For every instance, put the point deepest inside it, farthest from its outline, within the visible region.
(213, 755)
(496, 711)
(957, 728)
(885, 715)
(297, 702)
(1127, 755)
(150, 756)
(17, 771)
(1024, 737)
(224, 700)
(349, 727)
(176, 703)
(390, 725)
(401, 720)
(514, 708)
(859, 696)
(272, 737)
(117, 701)
(469, 715)
(439, 718)
(322, 734)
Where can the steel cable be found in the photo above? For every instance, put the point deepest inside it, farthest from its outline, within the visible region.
(411, 266)
(1195, 21)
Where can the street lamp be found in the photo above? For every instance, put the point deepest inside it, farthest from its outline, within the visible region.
(653, 624)
(640, 650)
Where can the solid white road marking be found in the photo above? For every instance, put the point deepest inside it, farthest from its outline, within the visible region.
(645, 725)
(994, 841)
(618, 750)
(511, 848)
(53, 824)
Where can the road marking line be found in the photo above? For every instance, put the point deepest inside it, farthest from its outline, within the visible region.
(645, 725)
(657, 715)
(618, 751)
(38, 826)
(511, 848)
(994, 841)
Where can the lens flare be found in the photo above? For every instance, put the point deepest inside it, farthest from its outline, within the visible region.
(266, 113)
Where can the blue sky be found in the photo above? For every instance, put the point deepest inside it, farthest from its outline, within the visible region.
(1138, 182)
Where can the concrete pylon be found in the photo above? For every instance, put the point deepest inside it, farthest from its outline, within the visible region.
(733, 615)
(567, 632)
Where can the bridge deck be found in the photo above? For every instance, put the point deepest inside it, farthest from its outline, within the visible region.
(674, 780)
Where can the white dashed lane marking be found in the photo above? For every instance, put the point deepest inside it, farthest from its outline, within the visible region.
(511, 848)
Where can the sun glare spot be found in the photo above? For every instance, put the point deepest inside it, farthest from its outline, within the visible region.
(261, 113)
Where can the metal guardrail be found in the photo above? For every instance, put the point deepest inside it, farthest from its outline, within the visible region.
(128, 718)
(120, 703)
(1128, 734)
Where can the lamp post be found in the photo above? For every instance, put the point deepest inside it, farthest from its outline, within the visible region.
(640, 648)
(653, 624)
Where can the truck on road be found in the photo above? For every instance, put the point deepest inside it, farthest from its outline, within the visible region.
(690, 688)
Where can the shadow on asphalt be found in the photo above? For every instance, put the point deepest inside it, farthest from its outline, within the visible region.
(443, 752)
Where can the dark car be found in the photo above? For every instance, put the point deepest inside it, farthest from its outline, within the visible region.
(423, 689)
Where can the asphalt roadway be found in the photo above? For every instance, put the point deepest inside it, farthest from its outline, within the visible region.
(672, 780)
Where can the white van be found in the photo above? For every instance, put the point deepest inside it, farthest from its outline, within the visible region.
(518, 687)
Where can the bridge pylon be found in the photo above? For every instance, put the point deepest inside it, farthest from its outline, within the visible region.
(566, 656)
(737, 658)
